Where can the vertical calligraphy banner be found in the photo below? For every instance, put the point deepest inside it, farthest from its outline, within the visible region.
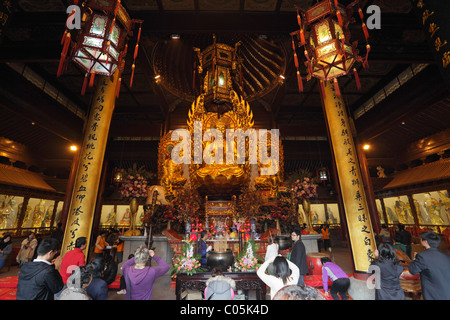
(82, 206)
(350, 179)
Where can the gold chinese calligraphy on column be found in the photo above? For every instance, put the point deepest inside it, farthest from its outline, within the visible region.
(350, 179)
(82, 205)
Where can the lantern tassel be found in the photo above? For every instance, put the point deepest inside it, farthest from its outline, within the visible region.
(336, 87)
(366, 32)
(366, 62)
(63, 54)
(299, 20)
(139, 34)
(132, 74)
(295, 59)
(302, 37)
(339, 17)
(361, 14)
(117, 7)
(358, 83)
(63, 37)
(336, 3)
(91, 79)
(136, 51)
(83, 89)
(300, 82)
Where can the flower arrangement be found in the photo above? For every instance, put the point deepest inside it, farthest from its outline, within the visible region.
(135, 183)
(246, 261)
(305, 188)
(185, 206)
(187, 262)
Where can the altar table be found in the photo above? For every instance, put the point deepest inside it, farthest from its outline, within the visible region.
(244, 281)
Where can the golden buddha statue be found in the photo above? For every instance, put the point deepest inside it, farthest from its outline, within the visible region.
(39, 212)
(111, 219)
(172, 176)
(126, 219)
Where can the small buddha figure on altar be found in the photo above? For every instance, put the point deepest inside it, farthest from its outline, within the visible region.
(111, 219)
(172, 176)
(39, 212)
(126, 219)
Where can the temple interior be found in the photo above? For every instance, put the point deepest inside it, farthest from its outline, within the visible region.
(188, 116)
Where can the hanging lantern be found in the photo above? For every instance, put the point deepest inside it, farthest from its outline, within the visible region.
(118, 176)
(100, 46)
(219, 62)
(323, 174)
(327, 48)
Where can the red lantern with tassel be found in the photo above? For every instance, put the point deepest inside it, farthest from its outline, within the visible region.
(99, 47)
(328, 51)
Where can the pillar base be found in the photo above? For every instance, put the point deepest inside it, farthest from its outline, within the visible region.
(358, 289)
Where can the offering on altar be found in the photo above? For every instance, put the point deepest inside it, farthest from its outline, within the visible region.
(187, 262)
(221, 244)
(247, 261)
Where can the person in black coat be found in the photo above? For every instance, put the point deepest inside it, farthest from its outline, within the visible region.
(298, 254)
(434, 268)
(404, 237)
(98, 288)
(39, 280)
(390, 271)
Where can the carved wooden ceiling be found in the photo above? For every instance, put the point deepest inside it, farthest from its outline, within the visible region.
(32, 43)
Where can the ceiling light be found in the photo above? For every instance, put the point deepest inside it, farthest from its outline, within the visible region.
(366, 147)
(73, 148)
(175, 36)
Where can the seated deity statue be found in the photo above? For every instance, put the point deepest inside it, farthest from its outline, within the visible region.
(172, 176)
(39, 212)
(126, 219)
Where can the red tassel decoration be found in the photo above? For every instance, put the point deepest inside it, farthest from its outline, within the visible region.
(336, 87)
(63, 54)
(63, 37)
(83, 89)
(299, 20)
(136, 51)
(358, 83)
(366, 62)
(339, 17)
(300, 82)
(361, 15)
(132, 74)
(139, 34)
(302, 37)
(366, 32)
(336, 3)
(117, 7)
(91, 80)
